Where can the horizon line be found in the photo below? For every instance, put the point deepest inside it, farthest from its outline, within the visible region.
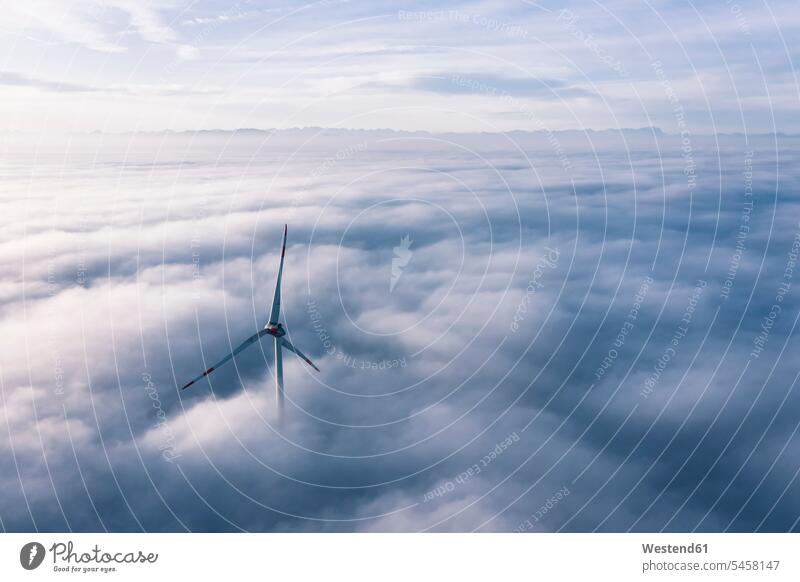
(652, 129)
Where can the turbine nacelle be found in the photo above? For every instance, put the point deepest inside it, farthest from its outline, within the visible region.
(275, 329)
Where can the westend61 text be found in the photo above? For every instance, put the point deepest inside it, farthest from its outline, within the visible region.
(673, 549)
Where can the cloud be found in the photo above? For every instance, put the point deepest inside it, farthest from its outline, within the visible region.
(498, 86)
(12, 79)
(89, 23)
(550, 333)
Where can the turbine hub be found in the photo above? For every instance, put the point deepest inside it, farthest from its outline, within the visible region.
(275, 329)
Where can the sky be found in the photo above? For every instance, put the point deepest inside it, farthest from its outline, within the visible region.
(123, 65)
(527, 319)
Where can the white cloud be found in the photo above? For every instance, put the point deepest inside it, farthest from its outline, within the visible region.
(106, 298)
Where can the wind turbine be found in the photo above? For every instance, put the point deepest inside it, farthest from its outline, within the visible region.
(272, 328)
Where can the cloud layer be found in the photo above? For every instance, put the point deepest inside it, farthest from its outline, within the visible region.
(579, 332)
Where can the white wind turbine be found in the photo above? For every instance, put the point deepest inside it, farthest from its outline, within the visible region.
(276, 330)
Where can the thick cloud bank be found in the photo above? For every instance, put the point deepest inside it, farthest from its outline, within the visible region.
(521, 332)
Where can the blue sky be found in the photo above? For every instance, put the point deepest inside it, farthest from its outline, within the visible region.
(130, 66)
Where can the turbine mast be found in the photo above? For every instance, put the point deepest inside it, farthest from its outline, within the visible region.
(279, 395)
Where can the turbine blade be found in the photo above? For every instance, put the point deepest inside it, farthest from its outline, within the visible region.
(291, 348)
(245, 344)
(279, 396)
(275, 312)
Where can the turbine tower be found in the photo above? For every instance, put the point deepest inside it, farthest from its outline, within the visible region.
(278, 333)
